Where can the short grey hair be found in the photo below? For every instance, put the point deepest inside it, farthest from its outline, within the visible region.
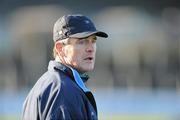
(64, 42)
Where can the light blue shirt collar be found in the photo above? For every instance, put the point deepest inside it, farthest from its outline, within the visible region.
(78, 80)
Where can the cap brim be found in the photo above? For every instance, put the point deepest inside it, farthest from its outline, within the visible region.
(86, 34)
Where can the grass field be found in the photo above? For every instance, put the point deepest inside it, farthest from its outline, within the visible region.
(112, 117)
(138, 117)
(10, 117)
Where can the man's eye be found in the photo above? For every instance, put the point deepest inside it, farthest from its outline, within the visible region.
(81, 41)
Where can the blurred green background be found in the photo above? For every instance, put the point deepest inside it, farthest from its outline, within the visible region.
(137, 73)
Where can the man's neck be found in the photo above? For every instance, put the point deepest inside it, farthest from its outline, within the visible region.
(84, 76)
(57, 59)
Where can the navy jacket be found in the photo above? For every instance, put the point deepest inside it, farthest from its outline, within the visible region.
(58, 96)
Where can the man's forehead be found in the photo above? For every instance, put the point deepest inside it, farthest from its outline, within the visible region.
(85, 38)
(91, 36)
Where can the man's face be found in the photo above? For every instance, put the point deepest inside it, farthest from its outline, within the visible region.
(80, 53)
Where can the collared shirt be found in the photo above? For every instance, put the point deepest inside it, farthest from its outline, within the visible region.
(60, 94)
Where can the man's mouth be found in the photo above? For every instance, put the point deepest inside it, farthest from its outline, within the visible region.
(89, 58)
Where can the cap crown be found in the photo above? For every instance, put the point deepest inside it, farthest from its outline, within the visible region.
(77, 26)
(71, 24)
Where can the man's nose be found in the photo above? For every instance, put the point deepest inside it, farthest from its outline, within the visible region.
(90, 47)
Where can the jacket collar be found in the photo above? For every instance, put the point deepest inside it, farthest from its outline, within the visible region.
(66, 69)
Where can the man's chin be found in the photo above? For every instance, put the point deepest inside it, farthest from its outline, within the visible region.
(88, 69)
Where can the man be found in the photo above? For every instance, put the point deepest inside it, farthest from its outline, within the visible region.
(60, 94)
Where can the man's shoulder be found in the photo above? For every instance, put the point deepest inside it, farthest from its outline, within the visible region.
(49, 77)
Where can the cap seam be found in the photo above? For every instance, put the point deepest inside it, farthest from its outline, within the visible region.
(67, 27)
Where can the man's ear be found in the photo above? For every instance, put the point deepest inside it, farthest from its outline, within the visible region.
(59, 48)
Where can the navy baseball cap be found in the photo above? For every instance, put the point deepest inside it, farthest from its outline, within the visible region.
(77, 26)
